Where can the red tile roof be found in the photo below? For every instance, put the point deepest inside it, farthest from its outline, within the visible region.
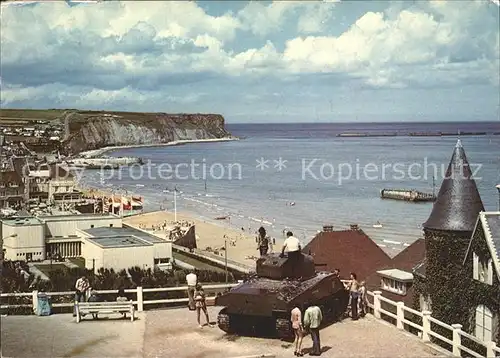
(349, 251)
(406, 260)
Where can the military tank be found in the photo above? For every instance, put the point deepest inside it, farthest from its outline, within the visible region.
(262, 304)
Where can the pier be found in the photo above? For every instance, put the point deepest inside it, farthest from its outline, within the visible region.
(412, 134)
(407, 195)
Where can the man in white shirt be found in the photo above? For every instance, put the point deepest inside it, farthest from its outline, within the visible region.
(82, 285)
(292, 245)
(192, 281)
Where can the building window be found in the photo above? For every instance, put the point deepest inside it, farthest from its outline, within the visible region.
(482, 269)
(394, 286)
(110, 225)
(484, 323)
(91, 226)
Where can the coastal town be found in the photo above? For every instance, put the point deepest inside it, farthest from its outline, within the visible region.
(249, 179)
(51, 226)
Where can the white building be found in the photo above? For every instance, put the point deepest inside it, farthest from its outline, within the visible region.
(117, 252)
(66, 225)
(101, 239)
(23, 239)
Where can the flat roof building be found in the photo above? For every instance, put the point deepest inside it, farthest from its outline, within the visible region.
(101, 239)
(24, 239)
(117, 252)
(162, 249)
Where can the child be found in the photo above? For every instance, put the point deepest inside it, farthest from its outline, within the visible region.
(93, 298)
(200, 303)
(363, 300)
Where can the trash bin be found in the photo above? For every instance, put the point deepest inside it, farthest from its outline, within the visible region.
(44, 307)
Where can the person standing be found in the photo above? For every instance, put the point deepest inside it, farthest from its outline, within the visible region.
(262, 241)
(192, 281)
(312, 321)
(201, 305)
(292, 245)
(354, 293)
(363, 300)
(81, 291)
(298, 329)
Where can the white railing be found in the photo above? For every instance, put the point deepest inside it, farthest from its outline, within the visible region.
(425, 331)
(210, 290)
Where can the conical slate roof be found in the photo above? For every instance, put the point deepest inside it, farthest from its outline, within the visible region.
(458, 203)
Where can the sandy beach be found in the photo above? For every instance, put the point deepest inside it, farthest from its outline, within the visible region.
(210, 235)
(241, 244)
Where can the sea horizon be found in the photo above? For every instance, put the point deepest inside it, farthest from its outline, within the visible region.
(286, 199)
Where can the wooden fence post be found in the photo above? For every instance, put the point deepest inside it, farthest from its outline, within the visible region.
(35, 300)
(426, 326)
(457, 339)
(376, 303)
(400, 313)
(140, 299)
(490, 349)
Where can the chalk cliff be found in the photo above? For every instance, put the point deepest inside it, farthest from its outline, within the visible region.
(92, 130)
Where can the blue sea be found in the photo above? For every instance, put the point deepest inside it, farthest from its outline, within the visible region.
(300, 177)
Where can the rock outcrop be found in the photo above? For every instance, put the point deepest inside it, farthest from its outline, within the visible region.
(89, 130)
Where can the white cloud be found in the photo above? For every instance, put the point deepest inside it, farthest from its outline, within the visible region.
(315, 17)
(376, 45)
(262, 19)
(127, 50)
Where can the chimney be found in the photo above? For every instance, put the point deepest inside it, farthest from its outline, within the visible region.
(354, 227)
(327, 228)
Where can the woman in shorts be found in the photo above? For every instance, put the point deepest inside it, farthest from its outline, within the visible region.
(201, 304)
(296, 319)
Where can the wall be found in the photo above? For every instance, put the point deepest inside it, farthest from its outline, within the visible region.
(91, 251)
(162, 250)
(445, 252)
(68, 225)
(480, 293)
(61, 186)
(119, 258)
(30, 239)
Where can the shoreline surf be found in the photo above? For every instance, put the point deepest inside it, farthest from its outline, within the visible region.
(101, 151)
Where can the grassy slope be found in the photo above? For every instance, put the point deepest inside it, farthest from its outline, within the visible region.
(29, 114)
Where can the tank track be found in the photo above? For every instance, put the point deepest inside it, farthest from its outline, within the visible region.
(283, 328)
(224, 321)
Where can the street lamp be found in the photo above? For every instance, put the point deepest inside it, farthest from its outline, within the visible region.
(175, 204)
(225, 258)
(498, 188)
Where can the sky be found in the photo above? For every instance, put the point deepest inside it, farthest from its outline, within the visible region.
(314, 61)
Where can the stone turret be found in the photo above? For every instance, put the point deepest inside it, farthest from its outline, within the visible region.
(458, 203)
(447, 233)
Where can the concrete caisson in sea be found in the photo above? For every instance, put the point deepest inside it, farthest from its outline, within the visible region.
(262, 305)
(407, 195)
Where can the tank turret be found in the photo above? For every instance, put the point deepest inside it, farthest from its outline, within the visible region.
(275, 267)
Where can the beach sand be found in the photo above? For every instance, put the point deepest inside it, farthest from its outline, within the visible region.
(209, 235)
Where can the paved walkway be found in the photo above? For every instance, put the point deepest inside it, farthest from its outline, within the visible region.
(60, 336)
(174, 333)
